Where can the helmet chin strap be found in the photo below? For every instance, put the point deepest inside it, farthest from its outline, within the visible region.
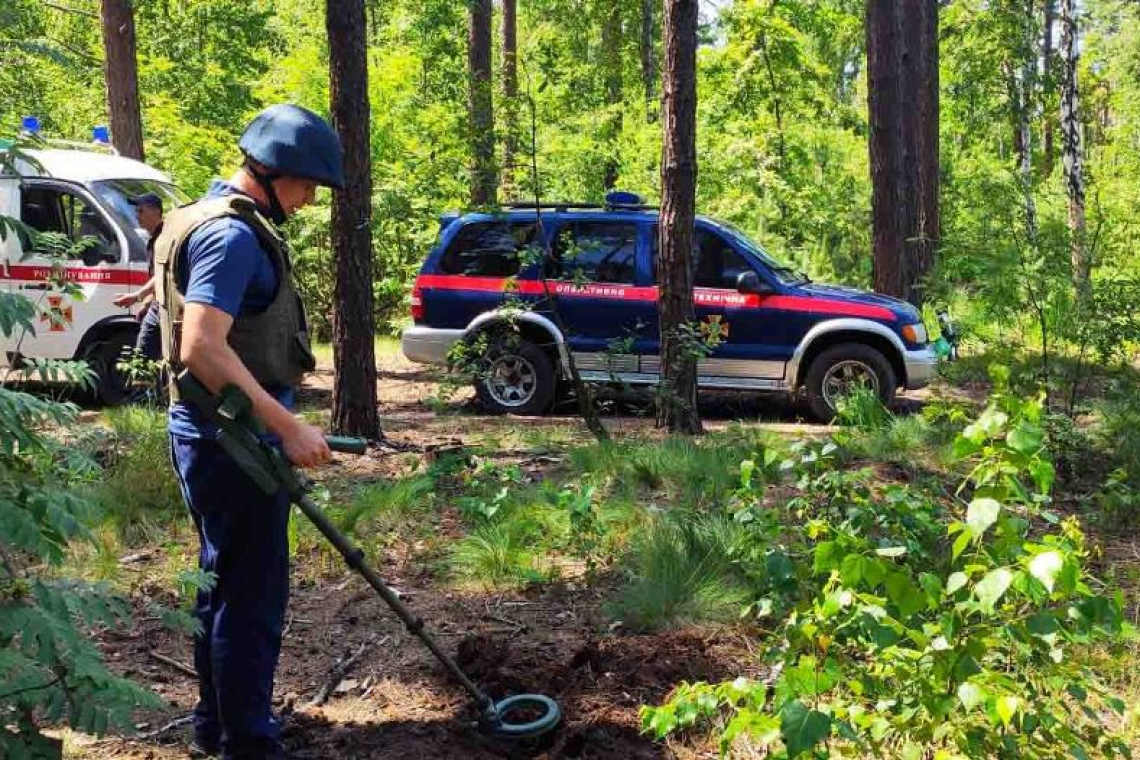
(265, 179)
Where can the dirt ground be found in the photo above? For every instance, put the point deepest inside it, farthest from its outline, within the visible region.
(397, 701)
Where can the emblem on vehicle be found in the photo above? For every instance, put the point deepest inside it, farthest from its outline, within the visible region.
(715, 329)
(57, 315)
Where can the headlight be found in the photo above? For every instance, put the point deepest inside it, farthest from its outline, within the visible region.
(915, 333)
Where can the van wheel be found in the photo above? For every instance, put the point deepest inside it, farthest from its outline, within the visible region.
(112, 387)
(515, 377)
(841, 369)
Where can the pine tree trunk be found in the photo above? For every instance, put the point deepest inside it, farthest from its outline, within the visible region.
(648, 60)
(902, 71)
(1047, 69)
(885, 122)
(611, 65)
(354, 354)
(510, 96)
(677, 399)
(479, 103)
(120, 69)
(1071, 147)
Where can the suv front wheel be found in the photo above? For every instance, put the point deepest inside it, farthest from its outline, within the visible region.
(515, 377)
(841, 369)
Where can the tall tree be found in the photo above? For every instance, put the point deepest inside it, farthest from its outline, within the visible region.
(648, 59)
(1071, 147)
(1024, 106)
(354, 353)
(677, 399)
(1047, 68)
(120, 70)
(481, 121)
(510, 95)
(902, 70)
(611, 74)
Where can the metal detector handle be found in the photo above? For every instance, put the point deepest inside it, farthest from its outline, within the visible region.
(345, 444)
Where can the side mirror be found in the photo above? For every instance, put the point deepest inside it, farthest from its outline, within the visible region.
(750, 282)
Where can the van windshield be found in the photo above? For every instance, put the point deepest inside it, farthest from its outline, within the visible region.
(115, 195)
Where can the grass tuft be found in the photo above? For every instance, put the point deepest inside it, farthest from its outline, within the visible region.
(683, 573)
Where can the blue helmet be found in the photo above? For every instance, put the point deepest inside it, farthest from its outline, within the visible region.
(294, 142)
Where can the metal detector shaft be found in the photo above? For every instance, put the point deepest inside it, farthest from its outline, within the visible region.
(354, 557)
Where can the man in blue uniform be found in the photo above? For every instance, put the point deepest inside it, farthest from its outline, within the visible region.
(148, 207)
(230, 314)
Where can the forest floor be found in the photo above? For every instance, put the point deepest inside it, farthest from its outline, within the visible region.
(397, 702)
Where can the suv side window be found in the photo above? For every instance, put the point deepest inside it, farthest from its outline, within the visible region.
(596, 251)
(50, 209)
(488, 249)
(716, 265)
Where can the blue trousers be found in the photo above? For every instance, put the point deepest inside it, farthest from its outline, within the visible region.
(243, 536)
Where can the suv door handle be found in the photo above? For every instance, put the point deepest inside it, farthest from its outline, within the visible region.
(36, 286)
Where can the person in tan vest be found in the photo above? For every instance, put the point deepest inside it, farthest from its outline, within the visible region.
(230, 313)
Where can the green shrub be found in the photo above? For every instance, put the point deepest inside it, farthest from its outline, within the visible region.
(910, 644)
(50, 671)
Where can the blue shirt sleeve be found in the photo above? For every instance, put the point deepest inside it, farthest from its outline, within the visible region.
(223, 257)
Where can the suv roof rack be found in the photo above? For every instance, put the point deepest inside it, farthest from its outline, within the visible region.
(559, 206)
(615, 200)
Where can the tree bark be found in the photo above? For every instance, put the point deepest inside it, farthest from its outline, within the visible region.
(1025, 89)
(510, 96)
(902, 70)
(611, 71)
(354, 353)
(1071, 148)
(120, 70)
(677, 399)
(1047, 69)
(484, 183)
(648, 60)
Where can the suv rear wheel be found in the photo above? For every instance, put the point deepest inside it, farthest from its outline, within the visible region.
(515, 377)
(841, 369)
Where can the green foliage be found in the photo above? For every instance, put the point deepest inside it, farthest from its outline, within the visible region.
(389, 506)
(138, 493)
(913, 629)
(50, 671)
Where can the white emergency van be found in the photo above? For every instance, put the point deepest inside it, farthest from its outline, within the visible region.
(80, 192)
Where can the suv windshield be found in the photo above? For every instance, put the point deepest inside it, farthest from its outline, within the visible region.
(115, 194)
(786, 274)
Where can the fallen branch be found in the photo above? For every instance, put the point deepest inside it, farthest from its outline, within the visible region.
(340, 670)
(183, 721)
(179, 666)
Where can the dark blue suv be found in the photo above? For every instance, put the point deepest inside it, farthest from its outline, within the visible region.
(776, 330)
